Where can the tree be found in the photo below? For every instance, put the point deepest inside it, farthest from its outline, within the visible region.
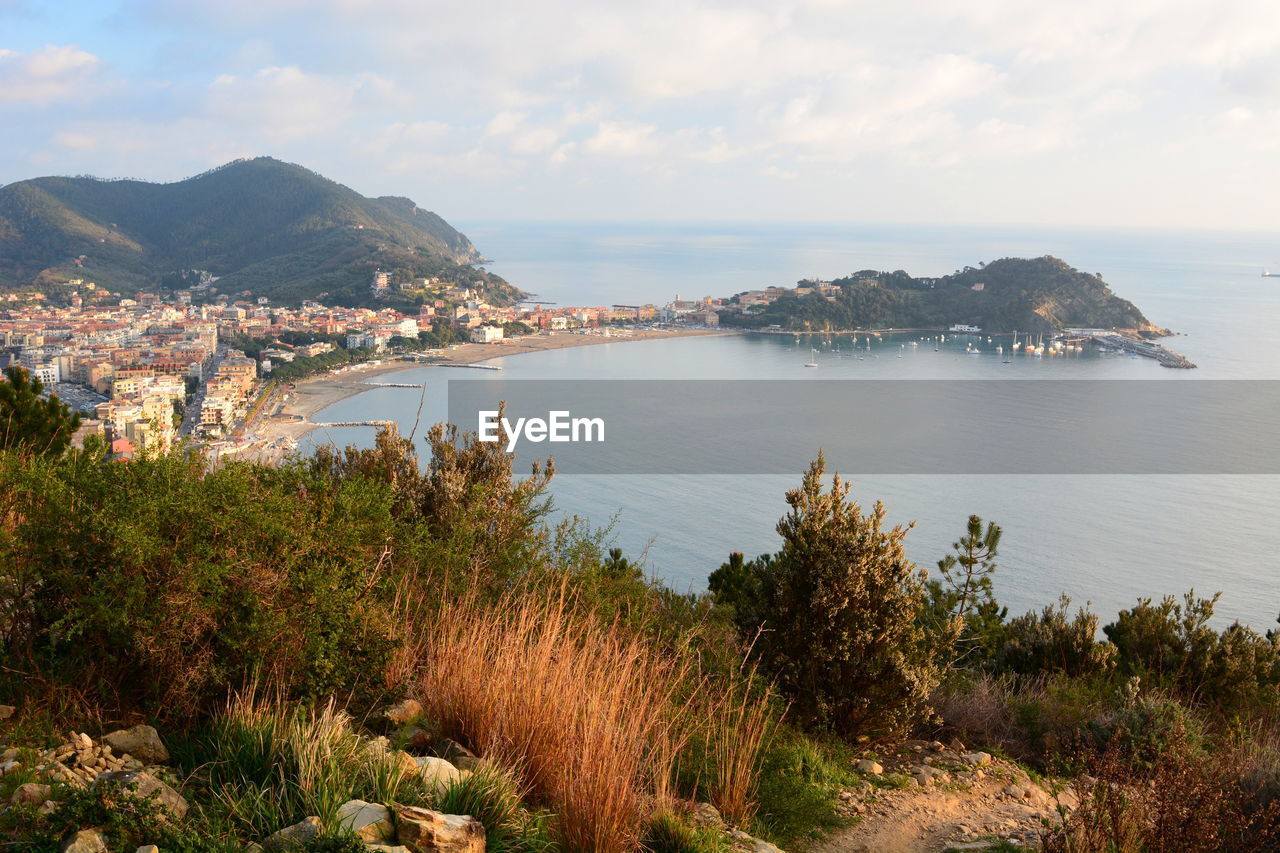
(962, 607)
(842, 604)
(29, 424)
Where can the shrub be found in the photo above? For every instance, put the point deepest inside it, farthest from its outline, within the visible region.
(1182, 803)
(161, 584)
(800, 782)
(1173, 644)
(841, 607)
(1048, 642)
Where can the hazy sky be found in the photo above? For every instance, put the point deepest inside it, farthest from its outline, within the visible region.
(1135, 112)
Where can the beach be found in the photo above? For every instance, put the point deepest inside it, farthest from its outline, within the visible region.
(290, 417)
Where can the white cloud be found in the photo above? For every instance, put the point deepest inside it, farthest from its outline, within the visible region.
(51, 73)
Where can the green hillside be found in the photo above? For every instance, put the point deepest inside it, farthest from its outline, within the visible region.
(273, 228)
(1032, 295)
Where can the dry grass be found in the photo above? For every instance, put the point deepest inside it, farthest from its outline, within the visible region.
(587, 713)
(740, 726)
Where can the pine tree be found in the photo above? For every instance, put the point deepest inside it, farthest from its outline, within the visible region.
(28, 423)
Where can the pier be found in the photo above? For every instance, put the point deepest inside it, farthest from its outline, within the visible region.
(357, 423)
(395, 385)
(1147, 349)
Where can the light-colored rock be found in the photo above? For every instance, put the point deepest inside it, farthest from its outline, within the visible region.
(147, 848)
(976, 759)
(8, 767)
(386, 848)
(705, 815)
(293, 836)
(370, 822)
(870, 767)
(764, 847)
(427, 831)
(9, 754)
(146, 785)
(437, 773)
(7, 711)
(85, 841)
(30, 792)
(140, 742)
(403, 712)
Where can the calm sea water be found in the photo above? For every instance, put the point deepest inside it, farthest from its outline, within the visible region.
(1101, 539)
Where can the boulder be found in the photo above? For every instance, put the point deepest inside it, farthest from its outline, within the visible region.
(30, 792)
(146, 785)
(437, 773)
(370, 822)
(869, 767)
(7, 767)
(85, 841)
(705, 815)
(147, 848)
(427, 831)
(403, 712)
(140, 742)
(415, 739)
(386, 848)
(976, 759)
(301, 832)
(459, 755)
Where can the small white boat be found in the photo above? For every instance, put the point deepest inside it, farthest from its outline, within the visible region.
(813, 359)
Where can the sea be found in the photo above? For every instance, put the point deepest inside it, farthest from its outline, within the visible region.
(1102, 540)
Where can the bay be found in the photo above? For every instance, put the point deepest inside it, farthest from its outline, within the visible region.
(1101, 539)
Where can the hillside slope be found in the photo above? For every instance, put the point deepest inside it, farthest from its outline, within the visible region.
(1030, 295)
(273, 228)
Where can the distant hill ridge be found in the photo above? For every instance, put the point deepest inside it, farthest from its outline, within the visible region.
(275, 228)
(1028, 294)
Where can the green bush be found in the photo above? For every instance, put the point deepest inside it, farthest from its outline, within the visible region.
(840, 613)
(666, 833)
(1049, 642)
(1172, 644)
(161, 584)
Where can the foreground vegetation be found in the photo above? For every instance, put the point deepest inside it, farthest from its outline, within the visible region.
(263, 617)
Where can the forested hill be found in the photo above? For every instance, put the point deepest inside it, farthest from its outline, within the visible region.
(262, 225)
(1031, 295)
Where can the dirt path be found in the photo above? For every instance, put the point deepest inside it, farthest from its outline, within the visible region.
(938, 799)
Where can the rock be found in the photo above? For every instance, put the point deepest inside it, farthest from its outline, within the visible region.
(8, 767)
(437, 773)
(869, 767)
(705, 815)
(415, 739)
(146, 785)
(141, 742)
(976, 759)
(294, 836)
(9, 754)
(403, 712)
(377, 745)
(147, 848)
(763, 847)
(926, 775)
(459, 755)
(48, 807)
(30, 792)
(7, 711)
(937, 746)
(85, 841)
(386, 848)
(370, 822)
(427, 831)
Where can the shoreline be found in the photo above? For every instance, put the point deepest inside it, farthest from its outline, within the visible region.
(278, 432)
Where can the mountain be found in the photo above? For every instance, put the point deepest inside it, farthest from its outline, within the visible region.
(273, 228)
(1030, 295)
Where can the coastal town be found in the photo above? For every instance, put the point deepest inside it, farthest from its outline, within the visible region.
(150, 370)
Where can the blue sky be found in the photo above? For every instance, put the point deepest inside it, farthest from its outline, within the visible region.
(1143, 113)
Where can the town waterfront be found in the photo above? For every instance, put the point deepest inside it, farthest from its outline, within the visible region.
(1100, 538)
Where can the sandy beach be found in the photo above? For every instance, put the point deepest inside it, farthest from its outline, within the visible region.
(289, 417)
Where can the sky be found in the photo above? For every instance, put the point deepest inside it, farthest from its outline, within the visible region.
(1142, 113)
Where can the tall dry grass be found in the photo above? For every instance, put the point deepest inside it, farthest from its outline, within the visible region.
(739, 727)
(588, 714)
